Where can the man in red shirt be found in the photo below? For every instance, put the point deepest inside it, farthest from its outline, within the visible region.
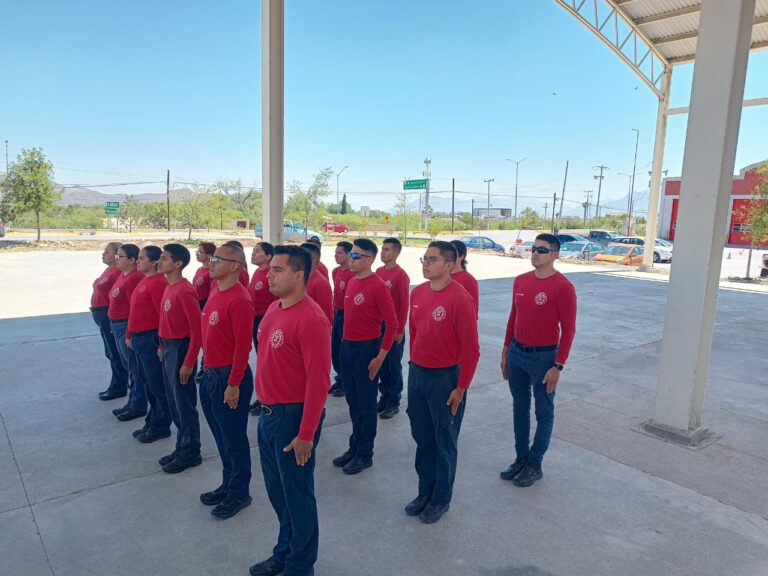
(118, 312)
(322, 268)
(460, 274)
(391, 376)
(142, 337)
(318, 287)
(118, 385)
(341, 276)
(444, 354)
(226, 386)
(292, 380)
(261, 297)
(202, 279)
(243, 278)
(540, 331)
(180, 340)
(367, 304)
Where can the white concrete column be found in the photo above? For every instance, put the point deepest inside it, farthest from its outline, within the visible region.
(710, 149)
(652, 225)
(272, 118)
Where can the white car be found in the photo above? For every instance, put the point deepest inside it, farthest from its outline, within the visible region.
(662, 249)
(522, 250)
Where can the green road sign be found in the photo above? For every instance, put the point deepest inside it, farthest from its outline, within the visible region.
(415, 184)
(112, 208)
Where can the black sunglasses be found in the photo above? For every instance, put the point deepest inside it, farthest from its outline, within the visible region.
(541, 250)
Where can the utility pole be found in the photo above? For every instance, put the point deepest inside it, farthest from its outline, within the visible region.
(599, 188)
(427, 175)
(488, 213)
(472, 215)
(546, 209)
(562, 197)
(632, 185)
(517, 166)
(168, 197)
(338, 206)
(585, 205)
(554, 208)
(453, 203)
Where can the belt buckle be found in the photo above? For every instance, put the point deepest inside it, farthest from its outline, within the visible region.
(267, 410)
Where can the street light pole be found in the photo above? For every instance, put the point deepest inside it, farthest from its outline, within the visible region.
(338, 206)
(488, 213)
(632, 185)
(517, 166)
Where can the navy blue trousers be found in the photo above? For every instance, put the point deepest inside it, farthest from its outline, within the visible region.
(290, 487)
(229, 427)
(391, 375)
(137, 392)
(360, 392)
(336, 336)
(145, 346)
(119, 381)
(182, 398)
(435, 429)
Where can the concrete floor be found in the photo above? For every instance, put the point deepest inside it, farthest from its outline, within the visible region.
(79, 496)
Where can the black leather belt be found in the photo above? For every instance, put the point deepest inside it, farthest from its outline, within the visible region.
(281, 408)
(525, 348)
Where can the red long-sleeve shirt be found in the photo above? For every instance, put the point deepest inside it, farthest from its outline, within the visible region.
(543, 313)
(295, 360)
(244, 276)
(341, 277)
(258, 289)
(227, 321)
(399, 285)
(120, 295)
(443, 330)
(368, 303)
(323, 269)
(102, 286)
(202, 283)
(146, 300)
(469, 283)
(180, 317)
(319, 290)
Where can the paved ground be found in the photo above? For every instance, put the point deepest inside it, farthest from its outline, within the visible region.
(80, 497)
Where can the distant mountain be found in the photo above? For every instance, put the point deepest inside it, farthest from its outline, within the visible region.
(89, 197)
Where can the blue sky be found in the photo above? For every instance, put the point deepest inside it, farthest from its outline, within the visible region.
(118, 92)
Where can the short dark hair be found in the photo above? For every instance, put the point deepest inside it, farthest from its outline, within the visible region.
(234, 244)
(315, 241)
(461, 252)
(395, 242)
(298, 259)
(153, 252)
(551, 239)
(179, 253)
(346, 246)
(268, 248)
(312, 248)
(131, 250)
(367, 245)
(447, 249)
(208, 247)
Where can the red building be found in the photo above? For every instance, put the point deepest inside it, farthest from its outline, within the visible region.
(741, 193)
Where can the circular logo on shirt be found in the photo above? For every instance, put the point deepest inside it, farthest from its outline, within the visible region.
(116, 292)
(541, 298)
(389, 284)
(167, 304)
(277, 338)
(342, 284)
(359, 299)
(142, 288)
(199, 281)
(259, 285)
(438, 314)
(214, 319)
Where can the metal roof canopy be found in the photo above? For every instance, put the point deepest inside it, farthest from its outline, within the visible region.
(651, 36)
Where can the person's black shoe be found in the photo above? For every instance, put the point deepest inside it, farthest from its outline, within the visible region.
(357, 465)
(390, 412)
(381, 405)
(342, 460)
(335, 386)
(214, 497)
(118, 411)
(167, 459)
(530, 474)
(339, 392)
(149, 437)
(433, 512)
(111, 395)
(416, 506)
(181, 464)
(513, 469)
(130, 414)
(230, 506)
(256, 408)
(266, 568)
(143, 430)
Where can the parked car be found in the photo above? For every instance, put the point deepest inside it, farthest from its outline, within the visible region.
(337, 227)
(522, 250)
(2, 228)
(603, 237)
(628, 254)
(571, 238)
(662, 251)
(482, 243)
(292, 232)
(580, 250)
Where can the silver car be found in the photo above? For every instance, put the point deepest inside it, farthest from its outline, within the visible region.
(580, 250)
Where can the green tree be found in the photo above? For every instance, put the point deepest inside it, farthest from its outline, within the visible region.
(29, 187)
(529, 218)
(131, 212)
(156, 214)
(307, 204)
(193, 208)
(344, 206)
(755, 213)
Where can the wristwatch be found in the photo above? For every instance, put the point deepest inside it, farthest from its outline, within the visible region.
(559, 366)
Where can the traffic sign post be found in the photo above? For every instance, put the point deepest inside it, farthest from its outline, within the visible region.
(415, 184)
(112, 208)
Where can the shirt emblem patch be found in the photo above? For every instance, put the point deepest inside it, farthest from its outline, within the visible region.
(541, 298)
(359, 299)
(142, 288)
(259, 285)
(116, 292)
(214, 319)
(277, 338)
(342, 284)
(167, 304)
(389, 284)
(199, 281)
(439, 314)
